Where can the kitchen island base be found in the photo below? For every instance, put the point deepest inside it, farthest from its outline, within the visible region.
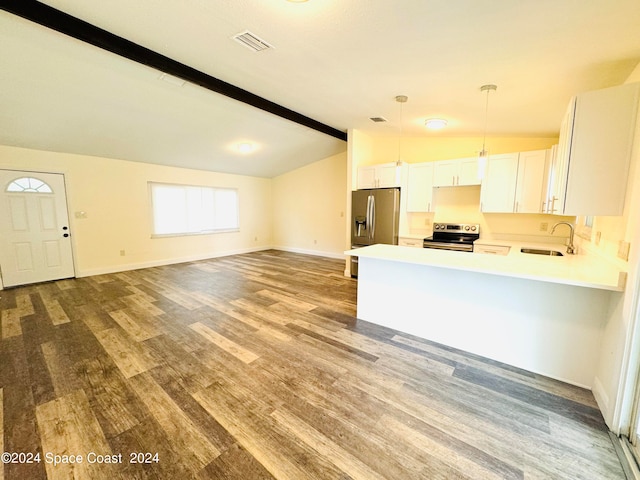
(547, 328)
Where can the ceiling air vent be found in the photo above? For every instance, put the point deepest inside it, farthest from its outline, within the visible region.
(251, 41)
(378, 119)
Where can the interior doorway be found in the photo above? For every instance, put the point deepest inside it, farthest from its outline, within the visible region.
(35, 239)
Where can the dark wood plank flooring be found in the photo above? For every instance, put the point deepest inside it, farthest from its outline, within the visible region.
(255, 367)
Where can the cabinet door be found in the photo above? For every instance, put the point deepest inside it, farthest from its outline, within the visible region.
(388, 175)
(468, 172)
(420, 187)
(600, 154)
(445, 173)
(560, 167)
(530, 187)
(367, 177)
(499, 184)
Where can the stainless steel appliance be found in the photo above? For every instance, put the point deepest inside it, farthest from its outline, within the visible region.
(374, 219)
(453, 236)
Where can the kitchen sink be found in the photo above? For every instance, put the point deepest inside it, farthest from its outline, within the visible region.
(538, 251)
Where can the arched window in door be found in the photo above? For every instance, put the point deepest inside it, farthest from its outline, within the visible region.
(28, 185)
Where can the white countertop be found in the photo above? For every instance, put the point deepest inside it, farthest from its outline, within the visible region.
(580, 270)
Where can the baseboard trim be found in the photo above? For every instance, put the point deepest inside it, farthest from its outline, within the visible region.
(626, 457)
(317, 253)
(163, 262)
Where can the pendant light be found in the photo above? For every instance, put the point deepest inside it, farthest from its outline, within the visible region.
(484, 154)
(401, 99)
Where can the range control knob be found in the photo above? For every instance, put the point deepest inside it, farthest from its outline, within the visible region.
(466, 227)
(473, 228)
(436, 226)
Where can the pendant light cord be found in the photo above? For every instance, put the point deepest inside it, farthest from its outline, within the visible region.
(488, 89)
(400, 99)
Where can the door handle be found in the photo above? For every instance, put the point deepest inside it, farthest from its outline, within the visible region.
(65, 235)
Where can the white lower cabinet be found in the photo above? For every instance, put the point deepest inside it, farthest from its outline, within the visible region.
(491, 249)
(410, 242)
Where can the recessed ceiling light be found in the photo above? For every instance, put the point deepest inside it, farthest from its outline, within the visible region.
(435, 123)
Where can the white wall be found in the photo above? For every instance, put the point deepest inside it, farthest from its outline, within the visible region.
(618, 361)
(114, 195)
(309, 208)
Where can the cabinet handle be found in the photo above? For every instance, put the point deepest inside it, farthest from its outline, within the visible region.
(553, 204)
(429, 207)
(517, 206)
(542, 209)
(453, 179)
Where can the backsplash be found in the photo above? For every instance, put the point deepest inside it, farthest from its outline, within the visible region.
(462, 205)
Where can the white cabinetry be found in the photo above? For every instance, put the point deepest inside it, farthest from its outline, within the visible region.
(463, 171)
(410, 242)
(379, 176)
(420, 187)
(499, 183)
(514, 183)
(531, 186)
(590, 169)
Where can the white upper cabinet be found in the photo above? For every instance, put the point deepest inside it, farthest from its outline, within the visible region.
(380, 176)
(531, 186)
(590, 169)
(514, 183)
(463, 171)
(420, 187)
(498, 190)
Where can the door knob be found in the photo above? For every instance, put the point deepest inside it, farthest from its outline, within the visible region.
(65, 235)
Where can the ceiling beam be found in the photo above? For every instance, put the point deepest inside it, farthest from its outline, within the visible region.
(79, 29)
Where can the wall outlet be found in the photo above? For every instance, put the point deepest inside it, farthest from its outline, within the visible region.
(544, 226)
(122, 253)
(623, 250)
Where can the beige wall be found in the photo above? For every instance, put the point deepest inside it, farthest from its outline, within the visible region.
(114, 195)
(309, 208)
(375, 149)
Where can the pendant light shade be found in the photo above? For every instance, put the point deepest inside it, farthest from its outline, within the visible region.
(484, 154)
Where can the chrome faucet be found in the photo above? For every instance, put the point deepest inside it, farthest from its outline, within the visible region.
(571, 249)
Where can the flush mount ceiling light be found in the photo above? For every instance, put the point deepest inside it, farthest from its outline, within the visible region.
(435, 123)
(484, 154)
(245, 147)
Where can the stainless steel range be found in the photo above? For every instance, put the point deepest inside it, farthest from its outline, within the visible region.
(453, 236)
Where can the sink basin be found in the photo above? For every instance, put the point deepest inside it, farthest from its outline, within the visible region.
(537, 251)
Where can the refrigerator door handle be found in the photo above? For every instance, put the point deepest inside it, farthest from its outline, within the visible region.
(373, 217)
(369, 219)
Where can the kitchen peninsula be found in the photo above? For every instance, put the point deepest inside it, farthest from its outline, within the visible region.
(544, 314)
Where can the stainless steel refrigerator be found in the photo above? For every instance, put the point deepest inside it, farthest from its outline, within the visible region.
(374, 219)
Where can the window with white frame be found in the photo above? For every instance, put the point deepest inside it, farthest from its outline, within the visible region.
(193, 210)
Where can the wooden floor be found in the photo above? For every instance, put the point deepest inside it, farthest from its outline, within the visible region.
(254, 367)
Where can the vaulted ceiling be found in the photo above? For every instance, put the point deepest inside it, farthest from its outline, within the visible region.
(337, 62)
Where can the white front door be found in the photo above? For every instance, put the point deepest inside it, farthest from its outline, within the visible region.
(35, 242)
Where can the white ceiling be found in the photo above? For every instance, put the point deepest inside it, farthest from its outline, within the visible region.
(337, 61)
